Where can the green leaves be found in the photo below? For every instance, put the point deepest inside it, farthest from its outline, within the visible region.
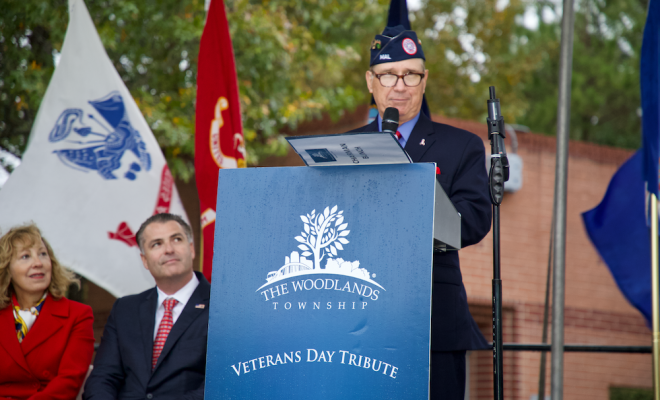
(471, 45)
(295, 60)
(476, 45)
(298, 59)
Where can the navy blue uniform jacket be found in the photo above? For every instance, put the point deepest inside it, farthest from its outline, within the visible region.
(461, 157)
(122, 368)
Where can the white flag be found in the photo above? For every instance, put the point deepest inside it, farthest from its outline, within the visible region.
(92, 171)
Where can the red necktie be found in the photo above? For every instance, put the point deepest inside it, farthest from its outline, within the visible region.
(398, 135)
(163, 330)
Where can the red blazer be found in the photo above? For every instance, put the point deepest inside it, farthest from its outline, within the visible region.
(54, 357)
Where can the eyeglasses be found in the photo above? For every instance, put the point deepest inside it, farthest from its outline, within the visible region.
(410, 79)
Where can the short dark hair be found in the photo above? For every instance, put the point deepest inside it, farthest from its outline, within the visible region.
(161, 219)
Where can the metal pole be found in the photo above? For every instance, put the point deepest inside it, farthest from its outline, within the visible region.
(654, 297)
(561, 175)
(579, 348)
(498, 355)
(499, 173)
(544, 336)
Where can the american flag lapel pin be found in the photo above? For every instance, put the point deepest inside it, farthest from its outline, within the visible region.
(200, 306)
(423, 142)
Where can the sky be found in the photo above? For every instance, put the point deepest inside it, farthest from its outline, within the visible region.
(530, 19)
(414, 5)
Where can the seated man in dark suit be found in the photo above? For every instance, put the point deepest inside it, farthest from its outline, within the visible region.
(397, 78)
(154, 343)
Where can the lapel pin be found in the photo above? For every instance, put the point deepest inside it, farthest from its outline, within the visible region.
(200, 306)
(423, 142)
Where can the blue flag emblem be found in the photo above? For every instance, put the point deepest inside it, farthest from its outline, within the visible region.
(104, 151)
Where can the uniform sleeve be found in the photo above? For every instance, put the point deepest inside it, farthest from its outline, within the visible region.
(469, 193)
(108, 375)
(75, 360)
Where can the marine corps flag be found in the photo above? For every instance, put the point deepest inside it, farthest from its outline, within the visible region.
(218, 130)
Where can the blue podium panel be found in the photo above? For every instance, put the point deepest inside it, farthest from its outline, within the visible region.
(322, 283)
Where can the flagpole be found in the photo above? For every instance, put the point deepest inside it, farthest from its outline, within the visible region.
(656, 298)
(561, 178)
(544, 335)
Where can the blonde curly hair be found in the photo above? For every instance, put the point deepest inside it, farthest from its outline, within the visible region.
(20, 237)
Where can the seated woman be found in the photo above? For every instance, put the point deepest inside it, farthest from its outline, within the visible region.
(46, 340)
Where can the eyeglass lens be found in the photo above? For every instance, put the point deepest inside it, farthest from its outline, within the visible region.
(389, 80)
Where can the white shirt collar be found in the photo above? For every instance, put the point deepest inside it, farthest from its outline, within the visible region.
(182, 295)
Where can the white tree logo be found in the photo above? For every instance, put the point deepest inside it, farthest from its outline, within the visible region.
(321, 236)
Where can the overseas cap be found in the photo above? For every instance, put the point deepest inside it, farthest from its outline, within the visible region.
(395, 44)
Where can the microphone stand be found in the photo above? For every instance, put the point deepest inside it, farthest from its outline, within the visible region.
(499, 173)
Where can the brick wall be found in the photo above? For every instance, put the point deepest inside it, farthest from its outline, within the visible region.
(596, 311)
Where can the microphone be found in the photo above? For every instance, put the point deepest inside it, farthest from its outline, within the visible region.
(499, 163)
(391, 120)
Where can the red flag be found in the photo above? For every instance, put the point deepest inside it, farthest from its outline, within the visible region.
(218, 130)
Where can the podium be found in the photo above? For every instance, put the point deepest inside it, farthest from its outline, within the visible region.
(322, 281)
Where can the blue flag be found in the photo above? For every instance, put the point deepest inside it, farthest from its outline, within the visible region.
(617, 228)
(618, 225)
(398, 14)
(650, 85)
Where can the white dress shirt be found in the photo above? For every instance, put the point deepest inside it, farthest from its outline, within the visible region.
(182, 296)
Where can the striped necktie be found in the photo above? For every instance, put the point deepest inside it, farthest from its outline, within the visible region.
(400, 138)
(21, 325)
(163, 330)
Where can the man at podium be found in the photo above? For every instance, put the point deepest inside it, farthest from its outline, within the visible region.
(397, 78)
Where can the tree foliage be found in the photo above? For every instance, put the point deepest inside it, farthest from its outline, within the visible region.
(26, 64)
(297, 59)
(469, 46)
(605, 93)
(294, 61)
(151, 43)
(479, 43)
